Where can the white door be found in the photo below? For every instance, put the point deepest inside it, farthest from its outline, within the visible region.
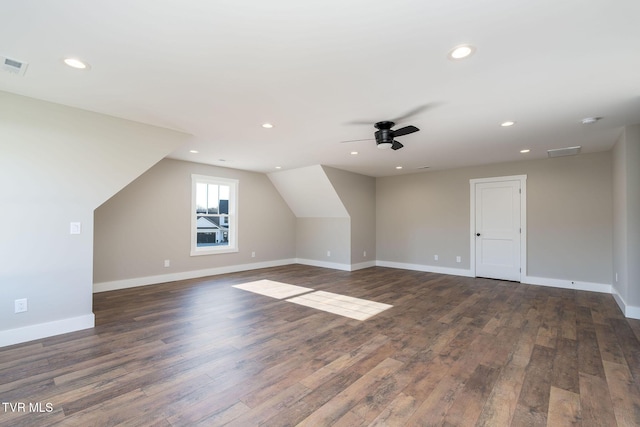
(498, 230)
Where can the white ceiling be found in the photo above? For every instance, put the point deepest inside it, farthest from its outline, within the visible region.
(219, 69)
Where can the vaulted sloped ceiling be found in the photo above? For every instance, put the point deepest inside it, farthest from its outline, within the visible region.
(309, 193)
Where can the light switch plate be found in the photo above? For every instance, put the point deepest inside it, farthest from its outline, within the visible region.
(75, 228)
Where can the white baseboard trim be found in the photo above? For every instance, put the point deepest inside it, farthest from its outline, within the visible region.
(632, 312)
(628, 310)
(568, 284)
(363, 265)
(619, 301)
(425, 268)
(184, 275)
(44, 330)
(336, 266)
(316, 263)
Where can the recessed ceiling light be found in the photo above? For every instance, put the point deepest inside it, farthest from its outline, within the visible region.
(353, 153)
(590, 120)
(526, 150)
(398, 167)
(267, 125)
(507, 123)
(462, 51)
(76, 63)
(278, 167)
(194, 151)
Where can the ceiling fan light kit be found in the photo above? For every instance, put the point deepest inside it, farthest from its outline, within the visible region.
(384, 137)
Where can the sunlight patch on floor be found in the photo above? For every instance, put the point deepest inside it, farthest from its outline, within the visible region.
(354, 308)
(273, 289)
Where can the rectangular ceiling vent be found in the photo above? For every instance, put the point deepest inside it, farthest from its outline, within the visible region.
(13, 65)
(559, 152)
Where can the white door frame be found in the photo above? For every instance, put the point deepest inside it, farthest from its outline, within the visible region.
(523, 220)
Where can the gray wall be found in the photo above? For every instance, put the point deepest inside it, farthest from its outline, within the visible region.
(316, 236)
(569, 215)
(626, 235)
(149, 221)
(335, 213)
(358, 194)
(57, 164)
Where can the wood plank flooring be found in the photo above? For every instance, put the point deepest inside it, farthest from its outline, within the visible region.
(452, 351)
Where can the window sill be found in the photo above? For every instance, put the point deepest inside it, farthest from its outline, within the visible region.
(208, 251)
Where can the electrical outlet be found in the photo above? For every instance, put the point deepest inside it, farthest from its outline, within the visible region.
(328, 253)
(20, 305)
(167, 263)
(364, 254)
(458, 259)
(253, 254)
(435, 257)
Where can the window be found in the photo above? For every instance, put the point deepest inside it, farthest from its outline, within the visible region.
(214, 220)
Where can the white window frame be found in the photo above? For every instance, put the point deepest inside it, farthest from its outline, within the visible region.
(233, 216)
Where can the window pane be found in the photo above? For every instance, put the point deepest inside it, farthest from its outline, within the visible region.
(224, 192)
(224, 199)
(201, 198)
(213, 238)
(212, 199)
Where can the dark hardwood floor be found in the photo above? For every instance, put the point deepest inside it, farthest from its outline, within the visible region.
(452, 351)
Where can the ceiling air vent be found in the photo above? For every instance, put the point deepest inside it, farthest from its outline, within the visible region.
(559, 152)
(13, 65)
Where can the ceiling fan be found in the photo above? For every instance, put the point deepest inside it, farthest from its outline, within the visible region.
(385, 135)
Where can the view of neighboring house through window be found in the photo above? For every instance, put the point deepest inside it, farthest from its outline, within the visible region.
(214, 220)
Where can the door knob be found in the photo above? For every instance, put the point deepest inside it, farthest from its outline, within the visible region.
(478, 234)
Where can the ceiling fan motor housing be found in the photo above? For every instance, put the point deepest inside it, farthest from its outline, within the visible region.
(384, 135)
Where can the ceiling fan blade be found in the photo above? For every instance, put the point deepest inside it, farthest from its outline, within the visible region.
(400, 118)
(405, 130)
(360, 122)
(356, 140)
(413, 112)
(396, 145)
